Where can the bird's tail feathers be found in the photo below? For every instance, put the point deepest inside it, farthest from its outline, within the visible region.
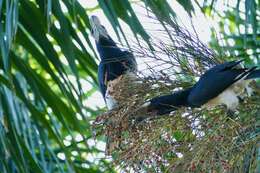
(244, 75)
(235, 63)
(254, 74)
(232, 64)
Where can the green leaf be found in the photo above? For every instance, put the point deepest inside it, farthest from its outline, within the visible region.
(187, 5)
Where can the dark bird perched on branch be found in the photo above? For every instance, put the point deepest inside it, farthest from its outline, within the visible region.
(114, 62)
(222, 84)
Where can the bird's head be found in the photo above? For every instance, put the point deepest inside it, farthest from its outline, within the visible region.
(106, 47)
(98, 31)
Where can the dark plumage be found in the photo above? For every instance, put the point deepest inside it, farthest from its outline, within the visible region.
(114, 61)
(221, 84)
(167, 103)
(214, 81)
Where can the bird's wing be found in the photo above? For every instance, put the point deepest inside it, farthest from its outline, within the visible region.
(213, 82)
(119, 65)
(130, 62)
(168, 103)
(108, 71)
(102, 78)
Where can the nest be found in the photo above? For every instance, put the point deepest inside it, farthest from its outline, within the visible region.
(187, 140)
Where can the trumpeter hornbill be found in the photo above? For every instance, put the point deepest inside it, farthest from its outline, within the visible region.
(222, 84)
(114, 61)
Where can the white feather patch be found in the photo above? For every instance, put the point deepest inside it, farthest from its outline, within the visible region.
(229, 97)
(110, 102)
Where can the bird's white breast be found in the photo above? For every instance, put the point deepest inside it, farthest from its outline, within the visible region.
(229, 97)
(110, 101)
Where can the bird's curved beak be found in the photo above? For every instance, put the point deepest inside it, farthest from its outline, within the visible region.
(94, 21)
(97, 30)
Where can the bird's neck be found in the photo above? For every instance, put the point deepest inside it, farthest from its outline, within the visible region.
(108, 49)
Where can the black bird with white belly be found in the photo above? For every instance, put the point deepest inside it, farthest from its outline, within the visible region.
(114, 61)
(222, 84)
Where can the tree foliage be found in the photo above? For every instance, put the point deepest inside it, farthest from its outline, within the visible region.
(47, 60)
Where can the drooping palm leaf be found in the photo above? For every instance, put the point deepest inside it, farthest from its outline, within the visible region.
(39, 112)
